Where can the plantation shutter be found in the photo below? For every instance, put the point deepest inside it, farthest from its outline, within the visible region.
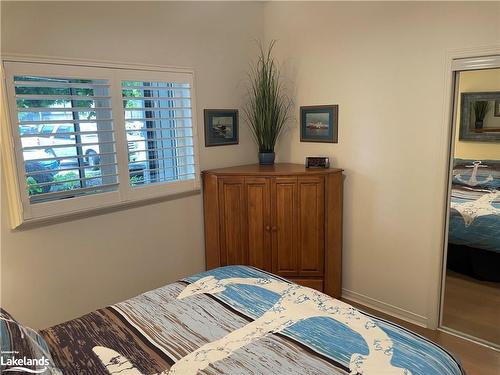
(67, 137)
(160, 115)
(89, 137)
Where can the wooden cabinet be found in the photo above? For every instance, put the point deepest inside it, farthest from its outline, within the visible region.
(311, 226)
(284, 219)
(284, 226)
(258, 213)
(233, 221)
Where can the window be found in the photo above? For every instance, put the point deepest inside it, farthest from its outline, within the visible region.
(65, 130)
(159, 131)
(88, 137)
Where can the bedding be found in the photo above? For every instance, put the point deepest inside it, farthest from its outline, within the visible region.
(482, 174)
(475, 218)
(475, 205)
(23, 349)
(240, 320)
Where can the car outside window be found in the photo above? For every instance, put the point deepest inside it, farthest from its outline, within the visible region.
(87, 137)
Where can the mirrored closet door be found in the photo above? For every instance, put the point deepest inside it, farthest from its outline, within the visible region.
(471, 290)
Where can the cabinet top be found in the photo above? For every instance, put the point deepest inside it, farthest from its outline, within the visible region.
(275, 169)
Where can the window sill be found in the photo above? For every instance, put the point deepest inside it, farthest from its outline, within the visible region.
(87, 213)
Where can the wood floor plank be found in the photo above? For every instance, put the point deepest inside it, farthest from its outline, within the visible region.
(472, 306)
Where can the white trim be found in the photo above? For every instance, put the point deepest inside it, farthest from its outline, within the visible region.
(194, 125)
(70, 205)
(437, 262)
(385, 308)
(451, 148)
(114, 73)
(104, 209)
(119, 126)
(443, 158)
(469, 338)
(475, 63)
(158, 189)
(9, 166)
(49, 209)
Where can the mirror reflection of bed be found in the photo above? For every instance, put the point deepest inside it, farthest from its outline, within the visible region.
(471, 297)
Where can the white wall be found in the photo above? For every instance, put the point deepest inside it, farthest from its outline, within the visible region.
(384, 64)
(57, 272)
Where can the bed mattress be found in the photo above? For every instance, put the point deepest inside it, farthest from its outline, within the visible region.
(240, 320)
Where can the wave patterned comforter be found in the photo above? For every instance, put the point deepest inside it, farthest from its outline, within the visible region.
(475, 204)
(240, 320)
(475, 218)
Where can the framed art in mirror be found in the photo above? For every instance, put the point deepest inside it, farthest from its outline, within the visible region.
(479, 116)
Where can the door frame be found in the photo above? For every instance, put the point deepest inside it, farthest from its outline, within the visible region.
(452, 65)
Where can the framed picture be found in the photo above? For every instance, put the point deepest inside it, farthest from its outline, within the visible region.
(319, 123)
(221, 127)
(478, 121)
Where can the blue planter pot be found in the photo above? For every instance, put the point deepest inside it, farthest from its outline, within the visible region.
(266, 158)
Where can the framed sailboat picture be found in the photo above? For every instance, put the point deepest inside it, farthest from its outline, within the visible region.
(221, 127)
(319, 123)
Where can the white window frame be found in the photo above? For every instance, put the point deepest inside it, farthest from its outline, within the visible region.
(115, 73)
(155, 190)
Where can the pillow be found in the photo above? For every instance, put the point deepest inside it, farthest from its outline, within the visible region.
(486, 176)
(23, 348)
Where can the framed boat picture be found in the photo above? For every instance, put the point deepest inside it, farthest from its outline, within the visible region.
(221, 127)
(319, 123)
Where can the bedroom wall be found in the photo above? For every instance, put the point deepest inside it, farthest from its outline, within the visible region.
(384, 64)
(57, 272)
(478, 81)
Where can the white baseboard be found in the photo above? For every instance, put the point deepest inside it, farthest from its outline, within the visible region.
(385, 308)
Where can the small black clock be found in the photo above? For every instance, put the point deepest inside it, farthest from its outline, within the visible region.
(317, 162)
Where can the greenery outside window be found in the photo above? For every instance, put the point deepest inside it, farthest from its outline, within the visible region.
(87, 137)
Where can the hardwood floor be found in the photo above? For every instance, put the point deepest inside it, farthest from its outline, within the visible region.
(472, 306)
(476, 359)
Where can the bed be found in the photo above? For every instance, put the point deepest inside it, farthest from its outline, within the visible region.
(239, 320)
(475, 218)
(474, 223)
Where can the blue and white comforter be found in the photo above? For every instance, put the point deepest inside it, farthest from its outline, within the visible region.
(240, 320)
(475, 218)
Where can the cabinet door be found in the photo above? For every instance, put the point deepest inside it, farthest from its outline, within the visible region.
(310, 283)
(284, 226)
(311, 216)
(258, 218)
(232, 207)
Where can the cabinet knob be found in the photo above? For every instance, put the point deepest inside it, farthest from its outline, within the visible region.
(268, 228)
